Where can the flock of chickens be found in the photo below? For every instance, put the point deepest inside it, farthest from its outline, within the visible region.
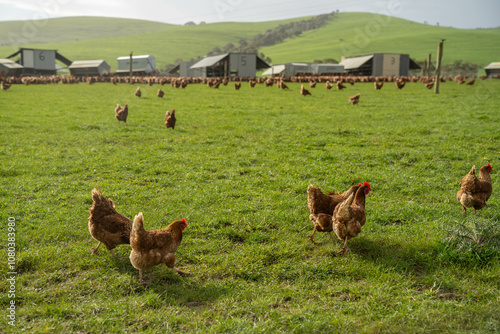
(342, 213)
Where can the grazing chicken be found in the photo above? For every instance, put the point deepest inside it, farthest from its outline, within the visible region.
(471, 82)
(400, 83)
(160, 93)
(304, 91)
(312, 83)
(378, 85)
(5, 85)
(237, 85)
(121, 114)
(349, 216)
(252, 83)
(150, 248)
(106, 225)
(328, 85)
(429, 85)
(475, 191)
(322, 205)
(170, 119)
(340, 86)
(354, 99)
(138, 92)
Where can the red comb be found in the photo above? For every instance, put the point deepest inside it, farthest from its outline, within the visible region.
(360, 184)
(367, 184)
(490, 166)
(184, 221)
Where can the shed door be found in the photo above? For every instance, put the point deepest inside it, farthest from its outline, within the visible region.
(391, 64)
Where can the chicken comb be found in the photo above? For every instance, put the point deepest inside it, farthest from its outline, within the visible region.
(184, 221)
(367, 184)
(490, 166)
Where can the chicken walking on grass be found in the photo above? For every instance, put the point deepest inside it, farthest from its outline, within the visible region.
(150, 248)
(170, 119)
(121, 114)
(475, 191)
(106, 225)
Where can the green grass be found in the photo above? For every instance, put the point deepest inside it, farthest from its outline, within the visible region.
(348, 34)
(237, 167)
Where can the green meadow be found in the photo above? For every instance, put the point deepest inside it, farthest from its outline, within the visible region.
(237, 167)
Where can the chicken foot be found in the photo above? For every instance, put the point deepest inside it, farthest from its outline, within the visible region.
(344, 249)
(94, 250)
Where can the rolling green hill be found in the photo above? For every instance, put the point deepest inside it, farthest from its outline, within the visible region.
(350, 34)
(85, 38)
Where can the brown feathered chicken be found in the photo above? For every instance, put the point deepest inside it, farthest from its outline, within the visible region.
(340, 86)
(150, 248)
(170, 119)
(106, 225)
(354, 99)
(475, 191)
(237, 85)
(349, 216)
(400, 83)
(138, 92)
(160, 93)
(328, 85)
(121, 114)
(378, 85)
(304, 91)
(322, 205)
(5, 85)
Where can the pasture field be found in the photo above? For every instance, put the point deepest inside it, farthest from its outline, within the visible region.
(237, 167)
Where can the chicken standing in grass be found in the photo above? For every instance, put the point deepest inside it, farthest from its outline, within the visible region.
(138, 92)
(304, 91)
(475, 191)
(354, 99)
(150, 248)
(106, 225)
(121, 114)
(349, 216)
(160, 93)
(170, 119)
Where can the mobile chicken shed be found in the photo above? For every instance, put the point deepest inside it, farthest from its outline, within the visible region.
(39, 61)
(144, 64)
(243, 65)
(89, 67)
(292, 69)
(380, 64)
(9, 67)
(493, 70)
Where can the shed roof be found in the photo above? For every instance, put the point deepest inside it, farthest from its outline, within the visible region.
(10, 64)
(134, 57)
(209, 61)
(355, 62)
(276, 69)
(86, 63)
(493, 66)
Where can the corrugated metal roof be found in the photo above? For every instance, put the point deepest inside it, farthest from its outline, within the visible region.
(493, 66)
(209, 61)
(86, 63)
(355, 62)
(134, 57)
(10, 64)
(276, 69)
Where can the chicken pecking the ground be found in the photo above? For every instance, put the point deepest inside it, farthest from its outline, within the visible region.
(106, 225)
(340, 86)
(304, 91)
(475, 191)
(160, 93)
(354, 99)
(378, 85)
(121, 114)
(328, 85)
(349, 216)
(150, 248)
(138, 92)
(170, 119)
(321, 204)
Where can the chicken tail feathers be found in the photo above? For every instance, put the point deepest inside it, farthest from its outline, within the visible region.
(138, 223)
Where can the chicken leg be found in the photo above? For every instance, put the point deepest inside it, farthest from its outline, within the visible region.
(344, 249)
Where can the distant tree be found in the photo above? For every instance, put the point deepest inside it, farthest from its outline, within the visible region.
(190, 23)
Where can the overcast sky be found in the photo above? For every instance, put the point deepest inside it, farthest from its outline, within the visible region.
(450, 13)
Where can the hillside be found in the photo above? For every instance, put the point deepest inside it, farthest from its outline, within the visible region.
(85, 38)
(352, 34)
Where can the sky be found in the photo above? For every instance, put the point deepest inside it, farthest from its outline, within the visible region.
(464, 14)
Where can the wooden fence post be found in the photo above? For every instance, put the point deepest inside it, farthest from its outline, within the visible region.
(437, 78)
(130, 72)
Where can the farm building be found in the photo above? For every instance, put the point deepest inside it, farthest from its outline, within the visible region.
(38, 61)
(89, 67)
(493, 70)
(291, 69)
(9, 67)
(145, 64)
(184, 70)
(243, 65)
(380, 64)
